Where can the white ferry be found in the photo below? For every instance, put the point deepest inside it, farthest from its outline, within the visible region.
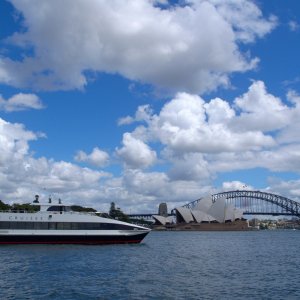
(58, 224)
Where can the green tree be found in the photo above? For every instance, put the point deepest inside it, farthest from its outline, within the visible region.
(4, 206)
(25, 207)
(116, 213)
(112, 210)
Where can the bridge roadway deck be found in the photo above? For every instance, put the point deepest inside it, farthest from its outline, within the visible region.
(139, 216)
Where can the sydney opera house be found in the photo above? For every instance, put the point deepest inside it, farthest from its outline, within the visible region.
(206, 215)
(162, 219)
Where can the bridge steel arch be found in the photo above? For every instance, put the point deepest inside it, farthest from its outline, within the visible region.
(257, 203)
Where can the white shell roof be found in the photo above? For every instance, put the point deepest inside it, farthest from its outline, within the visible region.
(186, 214)
(201, 216)
(207, 210)
(204, 204)
(217, 210)
(163, 220)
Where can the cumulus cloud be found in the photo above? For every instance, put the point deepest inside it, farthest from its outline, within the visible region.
(246, 18)
(288, 188)
(187, 144)
(97, 157)
(157, 185)
(218, 111)
(14, 141)
(22, 175)
(182, 126)
(20, 102)
(261, 110)
(201, 139)
(190, 167)
(290, 134)
(192, 47)
(135, 153)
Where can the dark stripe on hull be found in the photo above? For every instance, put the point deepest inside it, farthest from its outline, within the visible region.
(71, 239)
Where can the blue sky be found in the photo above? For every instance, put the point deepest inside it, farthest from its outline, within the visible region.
(142, 102)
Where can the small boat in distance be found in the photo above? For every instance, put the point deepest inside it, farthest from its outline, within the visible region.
(58, 224)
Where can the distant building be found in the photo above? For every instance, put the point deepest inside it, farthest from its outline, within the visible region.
(162, 218)
(163, 210)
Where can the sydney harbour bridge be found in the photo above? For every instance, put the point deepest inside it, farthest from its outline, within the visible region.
(251, 202)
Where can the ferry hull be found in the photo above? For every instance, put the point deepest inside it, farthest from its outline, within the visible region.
(71, 239)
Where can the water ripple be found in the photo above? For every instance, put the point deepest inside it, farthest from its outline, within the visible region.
(168, 265)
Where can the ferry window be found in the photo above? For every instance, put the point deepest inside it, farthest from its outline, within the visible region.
(94, 226)
(108, 226)
(44, 225)
(13, 225)
(74, 226)
(19, 225)
(60, 225)
(54, 208)
(105, 226)
(41, 225)
(4, 225)
(28, 225)
(63, 226)
(67, 226)
(52, 225)
(83, 226)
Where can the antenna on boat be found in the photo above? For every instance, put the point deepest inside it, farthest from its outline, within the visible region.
(36, 199)
(59, 201)
(49, 200)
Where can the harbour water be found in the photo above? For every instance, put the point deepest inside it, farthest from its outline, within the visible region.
(167, 265)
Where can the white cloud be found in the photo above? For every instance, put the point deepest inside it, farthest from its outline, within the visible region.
(261, 110)
(97, 157)
(293, 25)
(290, 134)
(196, 142)
(293, 97)
(192, 166)
(155, 186)
(20, 102)
(148, 184)
(192, 47)
(22, 175)
(14, 141)
(245, 17)
(125, 120)
(182, 126)
(279, 159)
(286, 188)
(218, 111)
(135, 153)
(143, 113)
(201, 139)
(235, 185)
